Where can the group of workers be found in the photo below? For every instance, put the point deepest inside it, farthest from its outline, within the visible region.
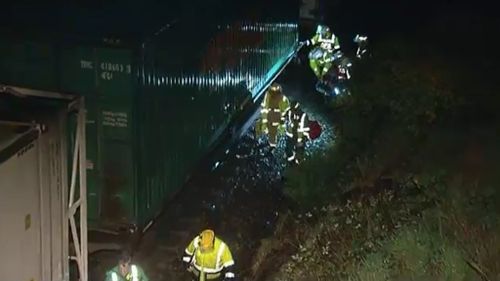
(326, 53)
(206, 257)
(282, 117)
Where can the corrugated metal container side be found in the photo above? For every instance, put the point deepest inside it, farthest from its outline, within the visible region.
(105, 77)
(154, 108)
(182, 105)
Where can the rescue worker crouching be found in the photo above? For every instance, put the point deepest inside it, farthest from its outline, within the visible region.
(209, 258)
(125, 270)
(321, 57)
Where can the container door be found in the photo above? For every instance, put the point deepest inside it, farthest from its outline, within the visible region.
(104, 77)
(114, 90)
(20, 250)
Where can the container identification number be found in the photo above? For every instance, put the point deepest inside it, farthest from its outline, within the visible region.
(107, 68)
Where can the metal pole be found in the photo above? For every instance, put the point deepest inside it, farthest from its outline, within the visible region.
(23, 92)
(73, 169)
(16, 123)
(64, 196)
(79, 166)
(72, 207)
(83, 190)
(76, 245)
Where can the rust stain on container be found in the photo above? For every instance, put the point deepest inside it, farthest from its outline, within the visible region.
(27, 221)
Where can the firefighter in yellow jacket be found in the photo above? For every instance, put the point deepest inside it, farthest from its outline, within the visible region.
(273, 111)
(209, 258)
(326, 45)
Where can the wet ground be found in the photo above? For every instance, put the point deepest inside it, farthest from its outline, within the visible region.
(240, 198)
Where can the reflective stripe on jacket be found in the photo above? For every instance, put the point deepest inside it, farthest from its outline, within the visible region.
(297, 124)
(211, 262)
(136, 274)
(273, 111)
(330, 41)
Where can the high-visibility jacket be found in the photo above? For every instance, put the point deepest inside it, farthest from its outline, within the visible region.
(212, 263)
(272, 118)
(327, 42)
(136, 274)
(298, 122)
(274, 108)
(297, 131)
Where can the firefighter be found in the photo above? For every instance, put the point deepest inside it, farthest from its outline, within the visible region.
(209, 258)
(125, 270)
(297, 132)
(321, 57)
(362, 42)
(273, 111)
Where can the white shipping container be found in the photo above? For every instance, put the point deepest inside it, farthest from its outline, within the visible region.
(42, 191)
(33, 245)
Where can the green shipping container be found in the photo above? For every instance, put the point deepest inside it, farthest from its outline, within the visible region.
(154, 107)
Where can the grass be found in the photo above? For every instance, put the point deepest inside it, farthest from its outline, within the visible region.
(374, 267)
(415, 115)
(359, 241)
(410, 251)
(456, 240)
(414, 253)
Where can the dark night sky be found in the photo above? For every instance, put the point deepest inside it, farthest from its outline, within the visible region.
(459, 23)
(129, 16)
(365, 15)
(455, 19)
(399, 14)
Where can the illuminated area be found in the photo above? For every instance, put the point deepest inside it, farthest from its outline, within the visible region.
(240, 54)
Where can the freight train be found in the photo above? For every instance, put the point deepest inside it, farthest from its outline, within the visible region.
(160, 86)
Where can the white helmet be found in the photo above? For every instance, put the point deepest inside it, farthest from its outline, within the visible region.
(360, 38)
(322, 29)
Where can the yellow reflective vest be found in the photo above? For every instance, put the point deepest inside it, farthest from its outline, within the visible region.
(210, 263)
(328, 42)
(272, 118)
(297, 127)
(136, 274)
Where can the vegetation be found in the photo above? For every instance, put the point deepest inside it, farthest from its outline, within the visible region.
(410, 187)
